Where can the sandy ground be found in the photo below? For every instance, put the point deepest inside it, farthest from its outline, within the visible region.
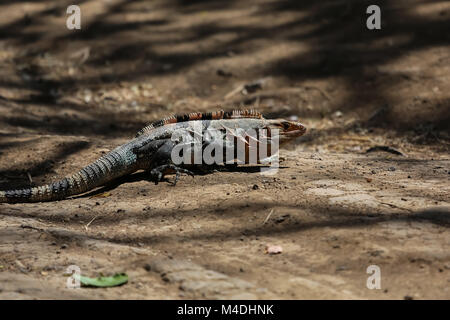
(67, 97)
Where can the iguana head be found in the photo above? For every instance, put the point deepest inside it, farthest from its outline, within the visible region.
(287, 130)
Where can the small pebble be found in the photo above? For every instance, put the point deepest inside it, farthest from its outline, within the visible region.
(271, 249)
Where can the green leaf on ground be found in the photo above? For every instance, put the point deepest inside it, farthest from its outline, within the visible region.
(103, 282)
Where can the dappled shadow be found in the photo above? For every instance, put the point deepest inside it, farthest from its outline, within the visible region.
(228, 211)
(18, 178)
(342, 46)
(135, 41)
(324, 217)
(136, 61)
(338, 43)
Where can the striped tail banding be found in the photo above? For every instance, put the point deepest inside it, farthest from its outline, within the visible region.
(96, 174)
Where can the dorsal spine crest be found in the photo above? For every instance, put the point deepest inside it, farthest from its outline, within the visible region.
(194, 116)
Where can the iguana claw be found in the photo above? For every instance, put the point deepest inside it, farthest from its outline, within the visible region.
(160, 171)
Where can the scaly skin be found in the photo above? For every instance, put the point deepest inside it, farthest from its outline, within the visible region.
(149, 151)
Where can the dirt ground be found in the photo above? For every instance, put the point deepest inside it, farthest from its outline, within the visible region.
(69, 96)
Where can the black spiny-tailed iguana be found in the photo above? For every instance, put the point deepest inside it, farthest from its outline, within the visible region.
(151, 151)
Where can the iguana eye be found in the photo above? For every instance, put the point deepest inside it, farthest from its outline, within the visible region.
(286, 125)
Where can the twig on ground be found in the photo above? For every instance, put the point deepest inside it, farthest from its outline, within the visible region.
(268, 216)
(385, 149)
(395, 206)
(89, 223)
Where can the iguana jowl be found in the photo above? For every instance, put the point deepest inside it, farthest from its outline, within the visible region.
(151, 151)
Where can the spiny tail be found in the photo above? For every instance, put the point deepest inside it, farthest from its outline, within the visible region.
(112, 165)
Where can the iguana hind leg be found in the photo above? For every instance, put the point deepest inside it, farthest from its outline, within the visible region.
(159, 154)
(158, 172)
